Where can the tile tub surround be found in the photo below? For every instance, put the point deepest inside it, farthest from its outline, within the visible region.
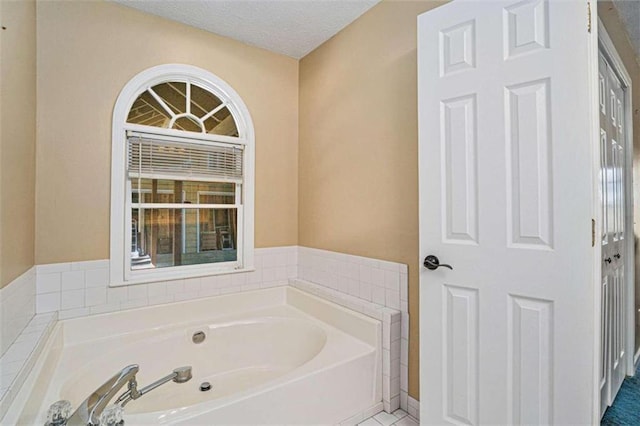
(17, 307)
(369, 280)
(19, 359)
(79, 289)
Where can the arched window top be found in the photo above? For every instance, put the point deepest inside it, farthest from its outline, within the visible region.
(183, 105)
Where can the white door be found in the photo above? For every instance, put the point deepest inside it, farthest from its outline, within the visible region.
(507, 122)
(612, 175)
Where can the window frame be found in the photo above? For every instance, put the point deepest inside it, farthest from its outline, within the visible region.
(120, 233)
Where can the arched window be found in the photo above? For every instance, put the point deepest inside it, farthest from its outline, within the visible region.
(182, 177)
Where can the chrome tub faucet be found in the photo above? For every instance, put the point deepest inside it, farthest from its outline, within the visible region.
(89, 413)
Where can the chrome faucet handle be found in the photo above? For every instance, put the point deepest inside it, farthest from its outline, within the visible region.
(58, 413)
(88, 413)
(112, 416)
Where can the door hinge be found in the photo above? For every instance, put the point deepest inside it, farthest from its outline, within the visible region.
(589, 17)
(593, 232)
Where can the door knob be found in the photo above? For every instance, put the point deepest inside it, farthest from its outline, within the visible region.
(617, 256)
(431, 262)
(608, 260)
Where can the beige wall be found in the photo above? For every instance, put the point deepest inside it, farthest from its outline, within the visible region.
(615, 29)
(358, 188)
(87, 51)
(17, 138)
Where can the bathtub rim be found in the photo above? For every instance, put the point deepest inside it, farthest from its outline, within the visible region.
(369, 331)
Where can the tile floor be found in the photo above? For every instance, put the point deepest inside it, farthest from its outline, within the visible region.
(398, 418)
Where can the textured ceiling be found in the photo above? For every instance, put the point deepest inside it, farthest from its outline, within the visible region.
(291, 27)
(629, 11)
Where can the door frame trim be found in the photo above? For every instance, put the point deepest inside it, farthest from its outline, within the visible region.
(606, 46)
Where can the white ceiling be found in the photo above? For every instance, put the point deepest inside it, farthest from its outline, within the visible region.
(291, 27)
(629, 11)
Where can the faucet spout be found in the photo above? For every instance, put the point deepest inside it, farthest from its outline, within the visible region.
(88, 413)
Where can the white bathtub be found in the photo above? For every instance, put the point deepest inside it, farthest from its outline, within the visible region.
(275, 356)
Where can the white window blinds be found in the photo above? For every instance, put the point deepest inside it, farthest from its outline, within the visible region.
(169, 159)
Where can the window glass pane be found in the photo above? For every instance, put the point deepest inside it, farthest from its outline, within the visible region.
(191, 192)
(202, 101)
(174, 94)
(173, 237)
(147, 111)
(221, 123)
(187, 124)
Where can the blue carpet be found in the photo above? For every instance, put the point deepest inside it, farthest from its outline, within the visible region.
(626, 407)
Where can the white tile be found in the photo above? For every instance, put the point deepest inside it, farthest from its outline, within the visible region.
(389, 266)
(89, 264)
(103, 309)
(404, 378)
(407, 421)
(72, 299)
(292, 271)
(281, 273)
(385, 419)
(115, 295)
(403, 399)
(377, 277)
(405, 325)
(96, 277)
(193, 285)
(158, 289)
(52, 268)
(395, 370)
(352, 421)
(206, 291)
(250, 287)
(354, 287)
(254, 277)
(395, 351)
(138, 292)
(395, 331)
(365, 274)
(48, 283)
(400, 414)
(72, 280)
(95, 296)
(18, 352)
(369, 422)
(366, 291)
(74, 313)
(404, 352)
(386, 335)
(395, 403)
(392, 281)
(160, 300)
(392, 299)
(404, 290)
(395, 387)
(378, 295)
(48, 302)
(269, 274)
(179, 297)
(133, 304)
(412, 409)
(174, 287)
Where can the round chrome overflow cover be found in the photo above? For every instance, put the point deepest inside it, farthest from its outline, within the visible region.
(205, 386)
(198, 337)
